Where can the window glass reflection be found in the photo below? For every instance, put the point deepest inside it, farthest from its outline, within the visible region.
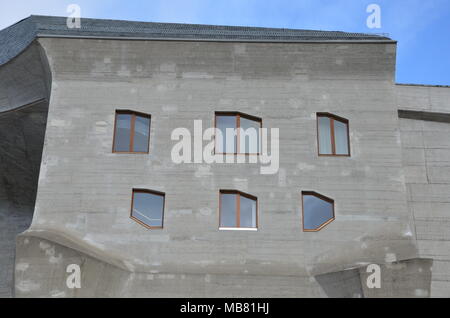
(148, 208)
(316, 212)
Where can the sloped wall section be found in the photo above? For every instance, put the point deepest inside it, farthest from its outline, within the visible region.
(24, 89)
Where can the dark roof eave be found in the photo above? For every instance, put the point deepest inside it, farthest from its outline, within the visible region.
(17, 37)
(237, 40)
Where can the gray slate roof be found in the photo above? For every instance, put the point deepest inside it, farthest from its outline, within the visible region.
(17, 37)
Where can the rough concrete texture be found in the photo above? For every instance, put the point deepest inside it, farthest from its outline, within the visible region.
(25, 79)
(343, 284)
(99, 279)
(47, 261)
(84, 192)
(426, 160)
(22, 137)
(426, 170)
(406, 279)
(433, 99)
(23, 117)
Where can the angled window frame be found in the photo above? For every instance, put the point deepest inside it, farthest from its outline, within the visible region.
(333, 118)
(238, 116)
(133, 114)
(153, 192)
(238, 208)
(322, 197)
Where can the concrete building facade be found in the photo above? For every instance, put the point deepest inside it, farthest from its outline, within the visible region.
(65, 196)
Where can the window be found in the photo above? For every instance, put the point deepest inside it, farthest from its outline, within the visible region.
(238, 211)
(243, 135)
(147, 208)
(318, 211)
(333, 135)
(131, 132)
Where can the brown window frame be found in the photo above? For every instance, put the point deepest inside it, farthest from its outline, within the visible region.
(238, 116)
(333, 118)
(322, 197)
(238, 209)
(138, 190)
(132, 130)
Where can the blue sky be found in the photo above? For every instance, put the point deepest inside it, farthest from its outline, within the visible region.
(420, 26)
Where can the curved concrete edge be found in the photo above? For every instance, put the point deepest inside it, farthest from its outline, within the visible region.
(25, 80)
(75, 242)
(24, 93)
(390, 246)
(42, 271)
(64, 238)
(404, 279)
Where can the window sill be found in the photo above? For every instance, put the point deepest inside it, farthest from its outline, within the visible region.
(323, 155)
(236, 154)
(130, 153)
(250, 229)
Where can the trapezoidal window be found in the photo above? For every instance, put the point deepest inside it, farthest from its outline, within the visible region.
(318, 211)
(237, 133)
(332, 135)
(147, 208)
(131, 132)
(238, 211)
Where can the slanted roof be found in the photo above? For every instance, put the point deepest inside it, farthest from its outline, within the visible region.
(17, 37)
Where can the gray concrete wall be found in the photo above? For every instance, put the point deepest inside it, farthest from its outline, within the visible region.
(426, 148)
(25, 79)
(409, 278)
(405, 279)
(23, 116)
(85, 190)
(423, 98)
(99, 279)
(426, 160)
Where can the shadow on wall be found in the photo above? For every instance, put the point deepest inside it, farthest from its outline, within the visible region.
(22, 138)
(344, 284)
(405, 279)
(24, 92)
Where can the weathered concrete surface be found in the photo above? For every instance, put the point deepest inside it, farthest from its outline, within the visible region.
(85, 190)
(22, 138)
(405, 279)
(100, 279)
(23, 117)
(392, 194)
(426, 160)
(426, 148)
(343, 284)
(25, 79)
(423, 98)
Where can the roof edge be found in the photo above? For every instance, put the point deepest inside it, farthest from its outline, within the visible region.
(374, 35)
(43, 35)
(15, 38)
(422, 85)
